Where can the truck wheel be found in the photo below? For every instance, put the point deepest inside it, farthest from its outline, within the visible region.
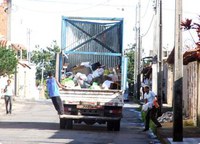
(62, 123)
(69, 124)
(116, 125)
(110, 126)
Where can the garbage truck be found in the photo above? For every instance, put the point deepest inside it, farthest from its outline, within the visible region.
(89, 43)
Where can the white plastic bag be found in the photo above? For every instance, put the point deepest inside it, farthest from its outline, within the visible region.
(145, 107)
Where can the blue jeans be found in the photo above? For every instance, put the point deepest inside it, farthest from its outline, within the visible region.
(8, 102)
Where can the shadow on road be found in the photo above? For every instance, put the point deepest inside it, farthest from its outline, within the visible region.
(29, 125)
(50, 126)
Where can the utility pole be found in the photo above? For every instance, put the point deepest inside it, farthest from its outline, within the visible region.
(178, 76)
(135, 54)
(42, 77)
(160, 62)
(28, 41)
(139, 51)
(155, 49)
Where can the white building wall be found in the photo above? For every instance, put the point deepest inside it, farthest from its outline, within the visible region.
(26, 82)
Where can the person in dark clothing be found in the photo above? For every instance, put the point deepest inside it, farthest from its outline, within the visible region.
(53, 92)
(149, 98)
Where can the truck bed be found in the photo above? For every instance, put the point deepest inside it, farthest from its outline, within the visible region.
(92, 97)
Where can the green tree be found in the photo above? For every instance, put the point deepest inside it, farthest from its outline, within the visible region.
(45, 58)
(24, 54)
(131, 59)
(8, 61)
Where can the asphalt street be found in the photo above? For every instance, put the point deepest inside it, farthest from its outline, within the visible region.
(36, 122)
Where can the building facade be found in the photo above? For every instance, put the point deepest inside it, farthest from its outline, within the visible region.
(4, 18)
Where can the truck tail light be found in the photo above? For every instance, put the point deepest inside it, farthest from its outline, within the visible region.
(67, 109)
(117, 111)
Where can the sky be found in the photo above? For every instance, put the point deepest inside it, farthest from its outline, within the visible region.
(38, 22)
(43, 17)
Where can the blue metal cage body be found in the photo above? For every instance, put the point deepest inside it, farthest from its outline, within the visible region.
(89, 39)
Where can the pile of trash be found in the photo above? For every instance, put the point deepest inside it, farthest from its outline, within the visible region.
(92, 76)
(166, 117)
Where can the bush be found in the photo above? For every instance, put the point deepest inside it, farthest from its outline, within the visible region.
(8, 61)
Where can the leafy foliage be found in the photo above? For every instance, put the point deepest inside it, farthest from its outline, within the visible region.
(188, 24)
(8, 61)
(48, 56)
(131, 61)
(22, 55)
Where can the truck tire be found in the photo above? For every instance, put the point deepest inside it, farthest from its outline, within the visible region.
(69, 124)
(62, 123)
(116, 124)
(110, 125)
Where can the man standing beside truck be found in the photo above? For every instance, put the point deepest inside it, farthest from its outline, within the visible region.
(53, 92)
(150, 98)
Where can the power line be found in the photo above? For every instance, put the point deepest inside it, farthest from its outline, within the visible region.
(146, 9)
(149, 26)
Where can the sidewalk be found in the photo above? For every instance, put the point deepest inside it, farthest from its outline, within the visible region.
(191, 135)
(17, 104)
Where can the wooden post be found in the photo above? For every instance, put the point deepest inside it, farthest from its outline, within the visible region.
(178, 76)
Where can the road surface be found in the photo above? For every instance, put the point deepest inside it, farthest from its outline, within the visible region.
(36, 122)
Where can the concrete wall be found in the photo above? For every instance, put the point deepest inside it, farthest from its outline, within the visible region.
(154, 78)
(185, 90)
(191, 90)
(190, 97)
(26, 82)
(169, 85)
(198, 93)
(3, 19)
(165, 77)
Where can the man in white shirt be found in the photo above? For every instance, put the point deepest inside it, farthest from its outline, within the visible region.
(149, 98)
(9, 93)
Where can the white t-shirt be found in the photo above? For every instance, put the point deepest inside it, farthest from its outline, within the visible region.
(9, 91)
(150, 98)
